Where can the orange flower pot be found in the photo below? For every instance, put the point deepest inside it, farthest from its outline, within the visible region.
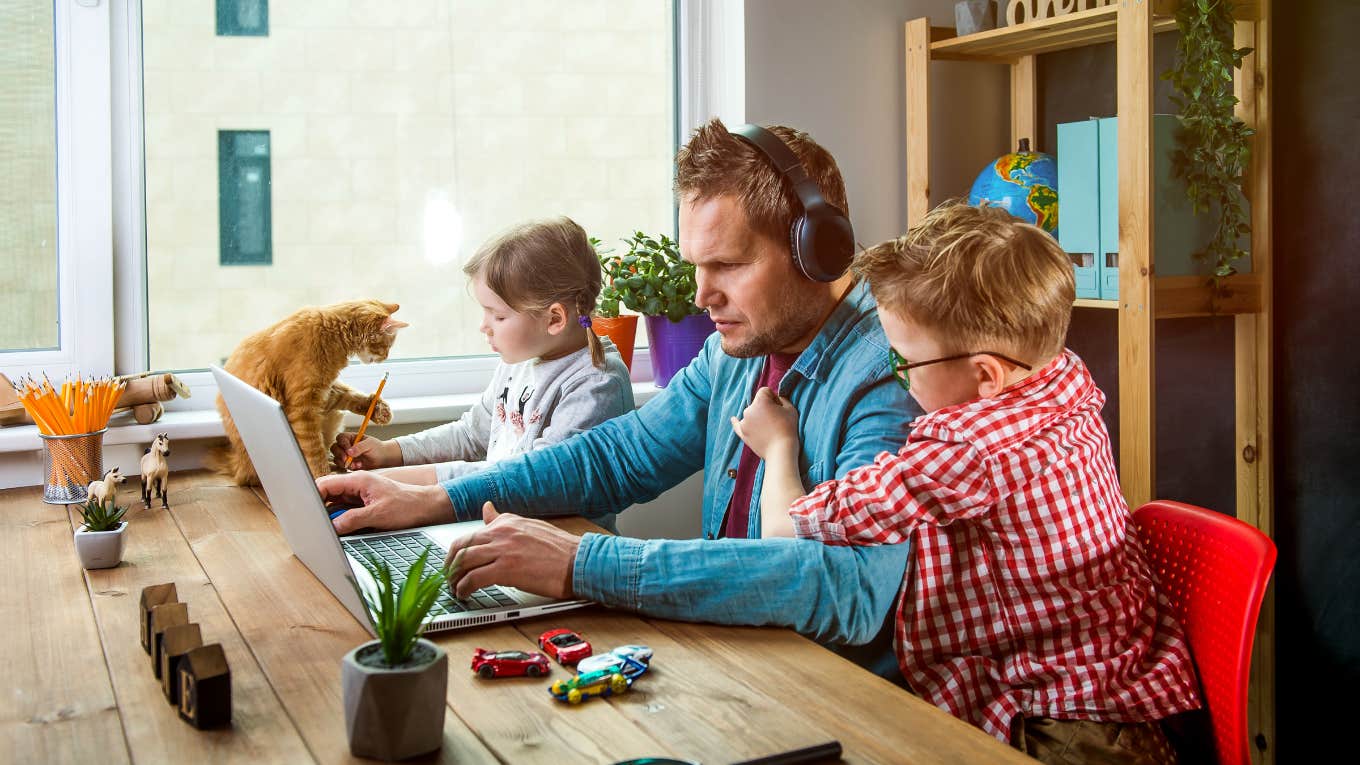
(621, 330)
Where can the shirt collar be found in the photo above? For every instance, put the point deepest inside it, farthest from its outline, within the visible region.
(817, 360)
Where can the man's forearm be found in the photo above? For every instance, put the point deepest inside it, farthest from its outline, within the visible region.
(837, 595)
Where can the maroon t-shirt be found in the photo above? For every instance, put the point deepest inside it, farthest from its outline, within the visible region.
(739, 512)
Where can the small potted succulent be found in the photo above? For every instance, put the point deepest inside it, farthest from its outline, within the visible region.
(394, 686)
(102, 535)
(653, 280)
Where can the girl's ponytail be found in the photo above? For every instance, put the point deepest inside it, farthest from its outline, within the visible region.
(592, 339)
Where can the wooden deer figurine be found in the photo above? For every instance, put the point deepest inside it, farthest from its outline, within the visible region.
(106, 489)
(156, 471)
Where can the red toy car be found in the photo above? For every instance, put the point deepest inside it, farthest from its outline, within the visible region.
(564, 645)
(509, 663)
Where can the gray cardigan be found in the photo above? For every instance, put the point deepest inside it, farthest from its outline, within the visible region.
(527, 406)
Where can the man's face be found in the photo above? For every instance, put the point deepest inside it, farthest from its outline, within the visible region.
(747, 281)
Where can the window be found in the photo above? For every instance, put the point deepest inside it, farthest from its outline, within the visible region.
(243, 197)
(28, 179)
(243, 18)
(55, 180)
(392, 149)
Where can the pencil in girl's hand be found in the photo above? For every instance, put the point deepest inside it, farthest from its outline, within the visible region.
(367, 416)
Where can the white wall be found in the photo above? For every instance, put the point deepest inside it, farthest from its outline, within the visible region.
(836, 70)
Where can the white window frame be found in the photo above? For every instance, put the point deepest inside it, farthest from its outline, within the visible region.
(85, 335)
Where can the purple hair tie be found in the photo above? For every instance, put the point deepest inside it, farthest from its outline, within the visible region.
(584, 320)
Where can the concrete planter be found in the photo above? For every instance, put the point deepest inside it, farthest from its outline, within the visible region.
(393, 714)
(101, 549)
(973, 16)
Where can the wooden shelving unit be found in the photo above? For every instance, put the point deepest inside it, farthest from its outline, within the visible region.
(1145, 297)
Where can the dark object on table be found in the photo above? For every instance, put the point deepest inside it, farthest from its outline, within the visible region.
(176, 642)
(152, 596)
(163, 617)
(205, 687)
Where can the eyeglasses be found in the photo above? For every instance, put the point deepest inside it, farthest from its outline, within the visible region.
(901, 366)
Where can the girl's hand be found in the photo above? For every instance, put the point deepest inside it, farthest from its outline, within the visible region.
(368, 454)
(769, 424)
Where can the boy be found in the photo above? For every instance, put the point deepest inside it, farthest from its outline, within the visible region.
(1028, 608)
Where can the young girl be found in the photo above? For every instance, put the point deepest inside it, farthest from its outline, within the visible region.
(537, 284)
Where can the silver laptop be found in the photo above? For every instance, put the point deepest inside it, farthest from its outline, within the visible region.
(340, 563)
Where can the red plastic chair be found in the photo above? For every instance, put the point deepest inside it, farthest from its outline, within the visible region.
(1213, 569)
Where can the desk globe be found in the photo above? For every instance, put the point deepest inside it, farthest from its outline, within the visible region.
(1024, 183)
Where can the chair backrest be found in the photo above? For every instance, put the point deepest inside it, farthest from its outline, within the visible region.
(1213, 569)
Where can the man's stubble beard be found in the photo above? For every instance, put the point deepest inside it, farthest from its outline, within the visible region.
(800, 315)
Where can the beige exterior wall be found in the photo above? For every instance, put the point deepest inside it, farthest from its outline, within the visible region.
(28, 178)
(384, 117)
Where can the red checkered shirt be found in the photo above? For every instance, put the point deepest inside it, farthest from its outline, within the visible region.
(1028, 594)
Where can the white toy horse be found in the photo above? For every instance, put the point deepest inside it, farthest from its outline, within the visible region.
(106, 489)
(156, 471)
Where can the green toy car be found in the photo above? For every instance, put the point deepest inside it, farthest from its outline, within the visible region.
(602, 682)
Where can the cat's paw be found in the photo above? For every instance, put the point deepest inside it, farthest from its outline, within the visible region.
(382, 413)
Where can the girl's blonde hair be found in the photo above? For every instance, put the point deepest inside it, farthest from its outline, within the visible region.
(533, 265)
(979, 278)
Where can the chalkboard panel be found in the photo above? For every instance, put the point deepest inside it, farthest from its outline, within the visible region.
(1316, 109)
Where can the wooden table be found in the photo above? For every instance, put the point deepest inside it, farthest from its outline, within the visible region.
(79, 688)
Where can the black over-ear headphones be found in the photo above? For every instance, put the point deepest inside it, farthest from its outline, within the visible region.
(821, 239)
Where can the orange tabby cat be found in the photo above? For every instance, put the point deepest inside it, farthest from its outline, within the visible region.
(297, 361)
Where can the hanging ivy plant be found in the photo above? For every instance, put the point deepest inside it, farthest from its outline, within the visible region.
(1213, 152)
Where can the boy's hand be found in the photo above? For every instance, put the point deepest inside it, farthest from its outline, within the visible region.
(770, 423)
(369, 454)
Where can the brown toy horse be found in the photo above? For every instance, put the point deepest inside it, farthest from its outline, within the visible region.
(156, 471)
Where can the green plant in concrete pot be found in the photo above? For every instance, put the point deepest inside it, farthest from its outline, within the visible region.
(102, 535)
(394, 686)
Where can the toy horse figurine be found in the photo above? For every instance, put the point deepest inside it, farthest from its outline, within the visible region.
(106, 489)
(156, 471)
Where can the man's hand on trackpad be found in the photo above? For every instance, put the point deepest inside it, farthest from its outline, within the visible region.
(376, 502)
(512, 550)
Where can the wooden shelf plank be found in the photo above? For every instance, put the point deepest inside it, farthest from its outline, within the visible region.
(1182, 296)
(1074, 30)
(1095, 303)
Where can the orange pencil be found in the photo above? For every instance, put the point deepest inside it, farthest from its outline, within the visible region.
(367, 416)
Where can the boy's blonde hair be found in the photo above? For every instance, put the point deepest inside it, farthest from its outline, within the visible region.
(979, 279)
(533, 265)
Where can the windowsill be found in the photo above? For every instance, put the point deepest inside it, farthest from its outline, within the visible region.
(190, 424)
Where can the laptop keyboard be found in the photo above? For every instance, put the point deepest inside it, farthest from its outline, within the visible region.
(401, 550)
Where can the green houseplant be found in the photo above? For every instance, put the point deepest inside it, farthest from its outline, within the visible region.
(102, 535)
(652, 279)
(1214, 153)
(394, 686)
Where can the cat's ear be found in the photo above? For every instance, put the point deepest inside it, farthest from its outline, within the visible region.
(391, 325)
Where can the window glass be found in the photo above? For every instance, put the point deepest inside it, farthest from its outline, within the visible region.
(28, 178)
(399, 137)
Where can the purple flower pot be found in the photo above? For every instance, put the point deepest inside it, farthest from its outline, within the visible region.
(675, 344)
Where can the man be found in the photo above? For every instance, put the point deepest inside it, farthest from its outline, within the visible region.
(818, 344)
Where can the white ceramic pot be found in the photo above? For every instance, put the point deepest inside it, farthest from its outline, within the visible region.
(392, 714)
(101, 549)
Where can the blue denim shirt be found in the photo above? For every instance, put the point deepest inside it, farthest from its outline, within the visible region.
(850, 409)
